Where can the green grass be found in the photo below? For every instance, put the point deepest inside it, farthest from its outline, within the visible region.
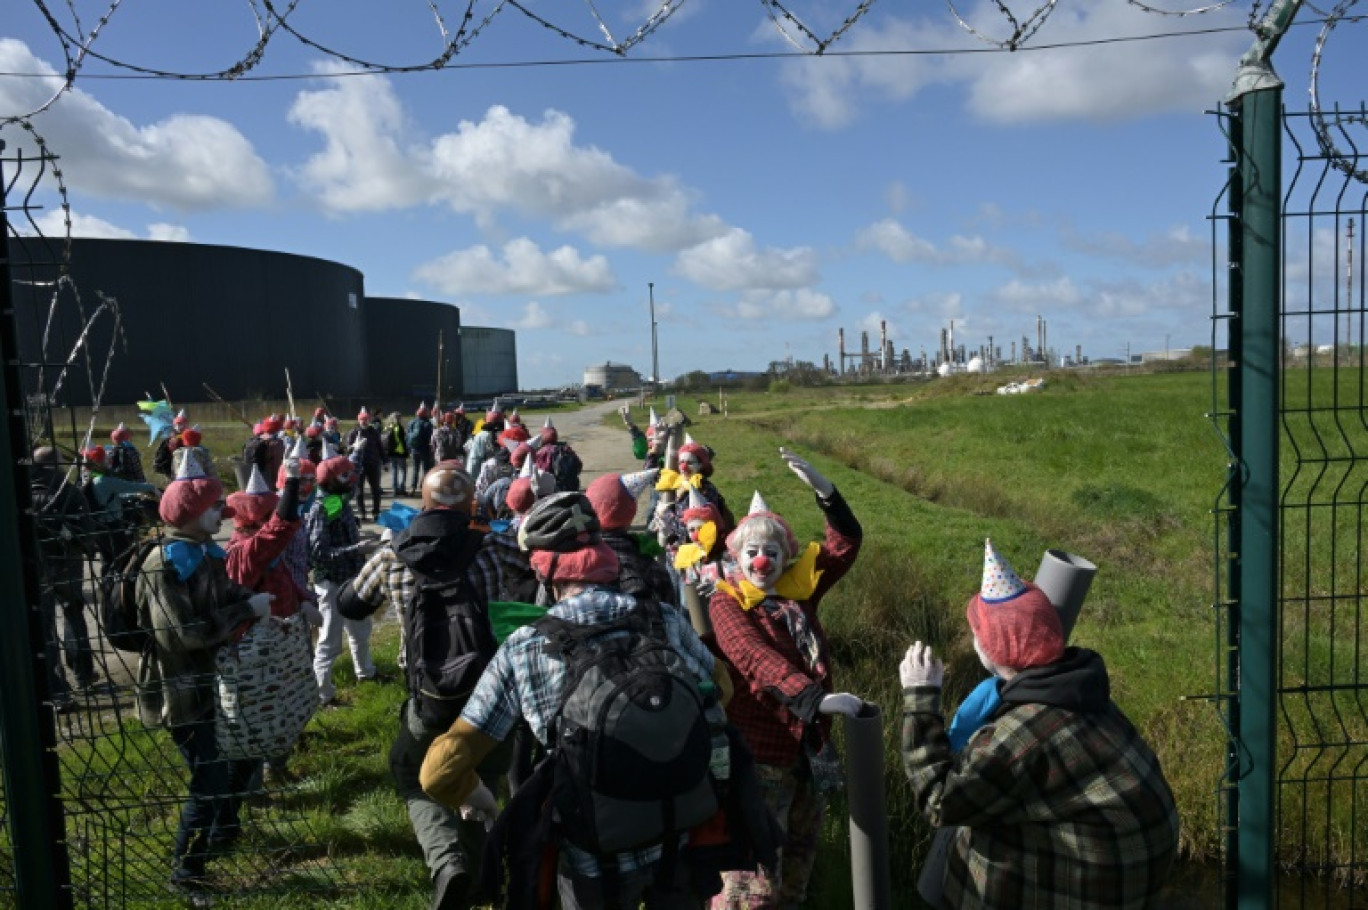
(1124, 470)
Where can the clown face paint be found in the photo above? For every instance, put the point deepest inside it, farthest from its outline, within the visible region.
(209, 523)
(689, 464)
(694, 526)
(762, 562)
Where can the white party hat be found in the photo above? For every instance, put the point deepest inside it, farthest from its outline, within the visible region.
(1000, 580)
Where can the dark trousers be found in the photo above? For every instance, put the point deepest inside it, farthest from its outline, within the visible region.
(422, 463)
(628, 890)
(209, 817)
(398, 465)
(370, 475)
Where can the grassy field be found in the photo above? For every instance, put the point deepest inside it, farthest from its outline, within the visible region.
(1123, 470)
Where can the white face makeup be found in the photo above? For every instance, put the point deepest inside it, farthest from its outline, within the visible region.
(209, 523)
(761, 562)
(694, 527)
(688, 464)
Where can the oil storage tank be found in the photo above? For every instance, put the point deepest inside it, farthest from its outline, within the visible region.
(612, 376)
(190, 315)
(402, 337)
(489, 361)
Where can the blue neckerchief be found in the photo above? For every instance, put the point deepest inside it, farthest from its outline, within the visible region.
(974, 712)
(185, 557)
(305, 504)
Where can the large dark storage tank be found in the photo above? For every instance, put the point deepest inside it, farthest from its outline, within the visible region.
(401, 344)
(490, 359)
(193, 314)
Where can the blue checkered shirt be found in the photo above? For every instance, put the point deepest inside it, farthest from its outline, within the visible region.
(523, 682)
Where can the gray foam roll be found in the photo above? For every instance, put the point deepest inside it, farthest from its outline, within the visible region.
(869, 857)
(1065, 579)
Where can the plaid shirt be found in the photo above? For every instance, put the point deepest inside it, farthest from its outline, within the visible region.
(334, 546)
(522, 682)
(767, 668)
(1062, 805)
(386, 577)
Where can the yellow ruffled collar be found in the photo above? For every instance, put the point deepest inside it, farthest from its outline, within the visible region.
(798, 582)
(691, 554)
(670, 479)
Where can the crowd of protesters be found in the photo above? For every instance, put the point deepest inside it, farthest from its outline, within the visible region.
(524, 603)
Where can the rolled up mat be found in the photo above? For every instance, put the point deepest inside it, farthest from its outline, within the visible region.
(931, 883)
(869, 858)
(698, 610)
(1065, 579)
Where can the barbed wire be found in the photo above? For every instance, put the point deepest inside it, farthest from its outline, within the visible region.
(272, 17)
(1342, 161)
(1022, 29)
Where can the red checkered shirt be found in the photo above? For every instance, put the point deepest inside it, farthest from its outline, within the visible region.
(768, 672)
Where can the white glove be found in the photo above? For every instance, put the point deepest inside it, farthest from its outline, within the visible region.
(807, 473)
(921, 668)
(841, 703)
(663, 508)
(292, 469)
(311, 614)
(481, 806)
(261, 604)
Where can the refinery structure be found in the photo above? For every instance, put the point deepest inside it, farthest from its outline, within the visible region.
(948, 357)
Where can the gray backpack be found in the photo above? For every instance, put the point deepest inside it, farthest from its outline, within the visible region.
(630, 742)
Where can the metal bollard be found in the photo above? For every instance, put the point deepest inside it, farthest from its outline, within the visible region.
(869, 858)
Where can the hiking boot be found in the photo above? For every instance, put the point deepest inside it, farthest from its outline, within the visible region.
(192, 886)
(452, 886)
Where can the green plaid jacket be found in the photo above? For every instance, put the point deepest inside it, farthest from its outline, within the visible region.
(1059, 807)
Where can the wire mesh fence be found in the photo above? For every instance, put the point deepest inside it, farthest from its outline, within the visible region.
(1322, 785)
(133, 798)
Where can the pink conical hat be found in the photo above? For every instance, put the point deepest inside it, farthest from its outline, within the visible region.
(639, 481)
(689, 440)
(528, 467)
(757, 504)
(548, 425)
(329, 450)
(301, 448)
(654, 419)
(1000, 580)
(182, 417)
(257, 484)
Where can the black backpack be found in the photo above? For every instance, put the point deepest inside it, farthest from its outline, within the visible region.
(254, 453)
(566, 467)
(630, 741)
(447, 645)
(120, 619)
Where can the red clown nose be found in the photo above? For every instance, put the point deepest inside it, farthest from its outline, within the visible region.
(762, 564)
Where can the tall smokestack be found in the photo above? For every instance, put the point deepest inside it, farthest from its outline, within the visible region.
(989, 358)
(1013, 352)
(1040, 335)
(840, 348)
(884, 357)
(1078, 354)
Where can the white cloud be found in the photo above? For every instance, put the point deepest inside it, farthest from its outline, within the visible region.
(1029, 296)
(1176, 246)
(937, 304)
(502, 163)
(579, 328)
(534, 316)
(176, 233)
(733, 262)
(185, 162)
(524, 269)
(874, 323)
(1099, 82)
(1186, 293)
(889, 237)
(51, 223)
(362, 167)
(801, 305)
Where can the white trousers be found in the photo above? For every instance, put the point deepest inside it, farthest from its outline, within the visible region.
(330, 641)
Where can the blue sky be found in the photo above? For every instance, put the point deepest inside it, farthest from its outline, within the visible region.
(770, 201)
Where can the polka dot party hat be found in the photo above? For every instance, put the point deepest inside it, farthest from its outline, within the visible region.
(1000, 580)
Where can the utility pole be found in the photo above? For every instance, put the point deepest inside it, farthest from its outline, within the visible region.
(655, 356)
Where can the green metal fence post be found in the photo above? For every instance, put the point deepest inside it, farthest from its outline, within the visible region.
(1261, 285)
(27, 741)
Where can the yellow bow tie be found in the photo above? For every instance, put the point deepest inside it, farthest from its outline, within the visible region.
(673, 480)
(797, 583)
(691, 554)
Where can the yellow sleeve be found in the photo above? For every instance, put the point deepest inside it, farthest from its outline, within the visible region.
(722, 679)
(448, 772)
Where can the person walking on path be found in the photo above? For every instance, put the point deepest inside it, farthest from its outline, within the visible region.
(394, 441)
(420, 444)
